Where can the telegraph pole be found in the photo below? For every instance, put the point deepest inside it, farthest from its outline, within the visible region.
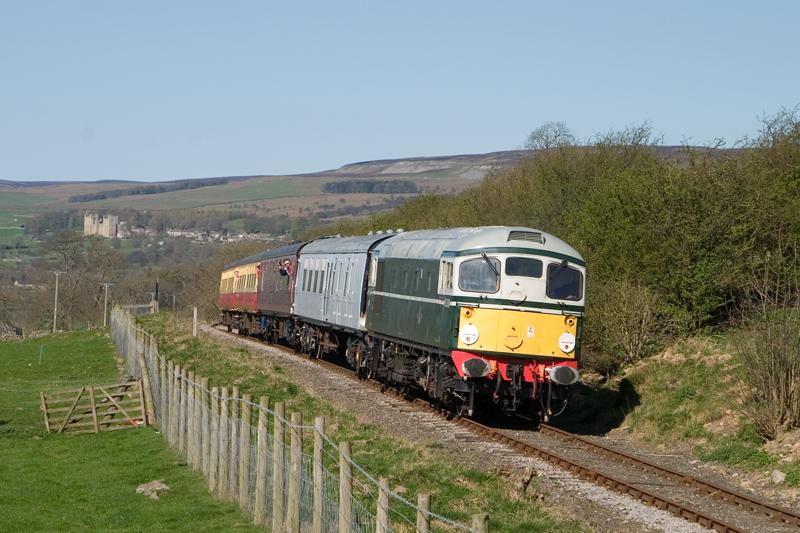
(105, 285)
(55, 300)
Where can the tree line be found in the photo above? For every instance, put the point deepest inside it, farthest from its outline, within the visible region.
(371, 187)
(156, 188)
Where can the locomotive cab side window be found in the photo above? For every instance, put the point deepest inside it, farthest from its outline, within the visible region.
(564, 282)
(446, 276)
(479, 275)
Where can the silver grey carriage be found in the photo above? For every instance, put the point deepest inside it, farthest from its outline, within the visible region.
(330, 281)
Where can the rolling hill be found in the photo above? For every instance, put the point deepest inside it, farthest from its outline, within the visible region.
(258, 192)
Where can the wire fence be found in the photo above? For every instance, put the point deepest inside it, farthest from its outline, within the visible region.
(253, 453)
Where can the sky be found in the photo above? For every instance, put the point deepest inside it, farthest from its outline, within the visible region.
(179, 89)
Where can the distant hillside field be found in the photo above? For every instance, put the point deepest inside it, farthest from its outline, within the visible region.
(264, 193)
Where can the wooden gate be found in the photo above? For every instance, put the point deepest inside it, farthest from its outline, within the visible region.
(94, 408)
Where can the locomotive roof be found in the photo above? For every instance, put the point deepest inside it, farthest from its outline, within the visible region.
(289, 249)
(343, 245)
(433, 244)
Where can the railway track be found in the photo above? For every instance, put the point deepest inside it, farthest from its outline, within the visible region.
(726, 510)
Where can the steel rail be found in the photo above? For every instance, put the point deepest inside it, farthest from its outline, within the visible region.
(746, 501)
(682, 510)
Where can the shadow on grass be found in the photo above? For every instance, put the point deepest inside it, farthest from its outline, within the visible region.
(598, 410)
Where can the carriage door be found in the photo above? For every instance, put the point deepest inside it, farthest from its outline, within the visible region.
(326, 293)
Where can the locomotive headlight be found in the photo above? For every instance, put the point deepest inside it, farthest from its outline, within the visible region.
(566, 342)
(468, 334)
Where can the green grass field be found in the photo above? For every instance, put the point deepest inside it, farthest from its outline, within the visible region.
(88, 482)
(19, 200)
(250, 190)
(10, 223)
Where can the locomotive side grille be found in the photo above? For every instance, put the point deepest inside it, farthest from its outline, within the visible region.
(530, 236)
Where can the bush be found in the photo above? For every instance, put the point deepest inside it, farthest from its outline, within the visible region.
(768, 349)
(624, 325)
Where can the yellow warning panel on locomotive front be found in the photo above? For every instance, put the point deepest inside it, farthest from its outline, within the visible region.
(517, 332)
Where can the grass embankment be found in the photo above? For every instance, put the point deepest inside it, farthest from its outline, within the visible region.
(688, 394)
(88, 482)
(456, 491)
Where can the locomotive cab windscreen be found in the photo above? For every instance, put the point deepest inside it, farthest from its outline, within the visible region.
(519, 278)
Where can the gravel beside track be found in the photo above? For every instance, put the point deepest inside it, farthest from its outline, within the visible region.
(600, 508)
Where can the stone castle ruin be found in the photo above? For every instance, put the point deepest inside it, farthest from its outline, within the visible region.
(100, 224)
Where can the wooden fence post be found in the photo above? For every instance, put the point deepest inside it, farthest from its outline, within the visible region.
(194, 322)
(278, 468)
(190, 391)
(244, 454)
(174, 407)
(382, 512)
(148, 392)
(205, 433)
(345, 488)
(423, 513)
(233, 471)
(181, 410)
(319, 487)
(196, 430)
(213, 456)
(163, 390)
(224, 445)
(480, 523)
(184, 412)
(295, 472)
(260, 496)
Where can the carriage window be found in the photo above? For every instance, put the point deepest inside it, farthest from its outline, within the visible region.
(479, 275)
(321, 281)
(564, 282)
(523, 266)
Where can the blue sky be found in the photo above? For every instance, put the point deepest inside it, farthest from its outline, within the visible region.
(178, 89)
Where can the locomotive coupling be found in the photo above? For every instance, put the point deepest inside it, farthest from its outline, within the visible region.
(563, 375)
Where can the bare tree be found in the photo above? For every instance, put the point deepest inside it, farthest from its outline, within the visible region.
(550, 135)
